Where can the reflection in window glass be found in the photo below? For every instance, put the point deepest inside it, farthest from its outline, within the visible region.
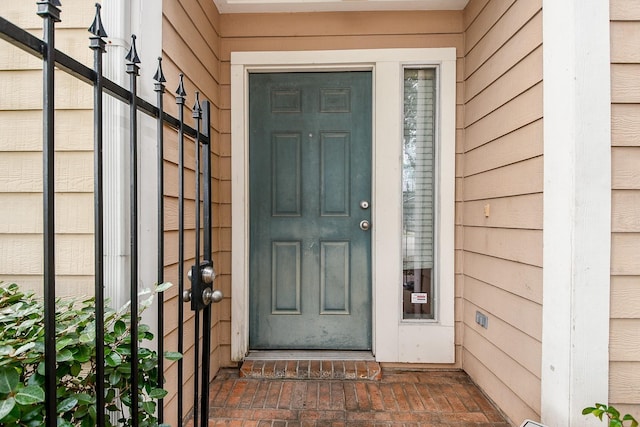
(418, 193)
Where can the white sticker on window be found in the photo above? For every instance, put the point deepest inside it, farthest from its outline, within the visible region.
(419, 298)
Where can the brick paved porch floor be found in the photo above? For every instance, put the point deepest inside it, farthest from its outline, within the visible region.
(398, 399)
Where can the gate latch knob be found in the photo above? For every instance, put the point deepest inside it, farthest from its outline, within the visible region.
(211, 295)
(202, 293)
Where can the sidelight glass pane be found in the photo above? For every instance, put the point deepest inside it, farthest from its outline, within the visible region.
(418, 193)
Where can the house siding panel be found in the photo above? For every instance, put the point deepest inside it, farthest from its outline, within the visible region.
(21, 156)
(502, 202)
(625, 10)
(624, 354)
(341, 24)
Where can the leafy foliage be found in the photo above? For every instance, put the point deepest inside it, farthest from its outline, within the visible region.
(612, 413)
(22, 370)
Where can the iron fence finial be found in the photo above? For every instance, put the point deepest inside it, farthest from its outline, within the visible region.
(159, 76)
(180, 91)
(197, 111)
(96, 28)
(132, 56)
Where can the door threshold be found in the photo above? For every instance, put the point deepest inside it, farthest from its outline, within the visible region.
(311, 365)
(328, 355)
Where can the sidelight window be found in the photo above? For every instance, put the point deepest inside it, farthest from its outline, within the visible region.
(418, 193)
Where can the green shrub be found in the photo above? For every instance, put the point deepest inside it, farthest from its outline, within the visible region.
(22, 362)
(612, 414)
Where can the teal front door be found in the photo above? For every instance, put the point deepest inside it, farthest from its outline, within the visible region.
(310, 190)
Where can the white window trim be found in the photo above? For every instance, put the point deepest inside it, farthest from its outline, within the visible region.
(393, 339)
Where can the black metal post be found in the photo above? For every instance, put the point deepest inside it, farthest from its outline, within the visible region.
(206, 172)
(97, 44)
(180, 99)
(159, 89)
(50, 12)
(206, 312)
(133, 70)
(195, 276)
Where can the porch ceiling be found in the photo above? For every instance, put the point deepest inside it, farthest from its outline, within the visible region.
(267, 6)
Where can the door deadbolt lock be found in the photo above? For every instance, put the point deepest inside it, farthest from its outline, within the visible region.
(365, 225)
(364, 204)
(201, 294)
(207, 274)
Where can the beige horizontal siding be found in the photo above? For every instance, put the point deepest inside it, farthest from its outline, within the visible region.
(492, 11)
(625, 121)
(625, 256)
(625, 210)
(21, 156)
(515, 179)
(525, 356)
(497, 35)
(71, 93)
(502, 395)
(507, 118)
(66, 286)
(505, 150)
(524, 75)
(525, 41)
(623, 84)
(517, 378)
(625, 37)
(522, 211)
(172, 184)
(341, 42)
(22, 172)
(510, 276)
(516, 311)
(501, 202)
(624, 378)
(74, 14)
(625, 174)
(74, 213)
(625, 297)
(74, 254)
(22, 130)
(342, 24)
(624, 342)
(624, 10)
(472, 12)
(523, 246)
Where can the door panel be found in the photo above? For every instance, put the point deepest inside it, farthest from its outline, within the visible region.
(310, 166)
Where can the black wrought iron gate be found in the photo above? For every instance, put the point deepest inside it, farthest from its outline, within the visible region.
(201, 292)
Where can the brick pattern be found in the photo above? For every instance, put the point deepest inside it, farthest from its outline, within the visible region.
(398, 399)
(311, 369)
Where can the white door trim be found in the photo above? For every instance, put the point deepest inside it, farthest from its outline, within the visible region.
(427, 342)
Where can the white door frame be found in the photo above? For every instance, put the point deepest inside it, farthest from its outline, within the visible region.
(394, 340)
